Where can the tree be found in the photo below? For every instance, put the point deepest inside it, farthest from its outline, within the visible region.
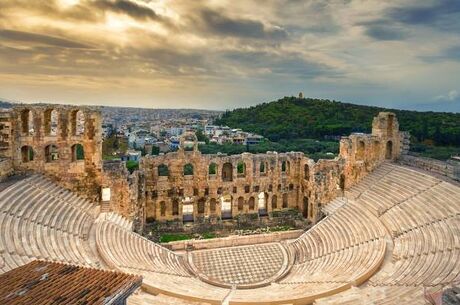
(155, 150)
(132, 165)
(201, 137)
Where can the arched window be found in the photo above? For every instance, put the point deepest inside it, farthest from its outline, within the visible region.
(360, 151)
(77, 122)
(241, 169)
(188, 169)
(51, 153)
(27, 154)
(240, 204)
(285, 167)
(175, 207)
(263, 167)
(162, 208)
(306, 172)
(27, 122)
(201, 202)
(77, 152)
(251, 203)
(163, 170)
(212, 205)
(212, 168)
(51, 122)
(285, 200)
(389, 150)
(375, 149)
(227, 172)
(274, 202)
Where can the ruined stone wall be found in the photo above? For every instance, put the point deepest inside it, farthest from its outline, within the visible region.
(363, 152)
(450, 170)
(126, 191)
(269, 182)
(242, 190)
(49, 139)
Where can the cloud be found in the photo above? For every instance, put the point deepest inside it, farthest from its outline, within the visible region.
(381, 31)
(218, 23)
(451, 96)
(127, 7)
(443, 14)
(27, 37)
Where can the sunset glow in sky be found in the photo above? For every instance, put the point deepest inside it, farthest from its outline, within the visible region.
(222, 54)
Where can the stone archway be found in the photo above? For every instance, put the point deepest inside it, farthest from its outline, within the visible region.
(226, 206)
(262, 199)
(305, 207)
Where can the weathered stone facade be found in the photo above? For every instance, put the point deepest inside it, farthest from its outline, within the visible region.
(186, 185)
(63, 142)
(363, 152)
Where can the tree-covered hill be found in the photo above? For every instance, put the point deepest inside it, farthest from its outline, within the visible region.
(294, 118)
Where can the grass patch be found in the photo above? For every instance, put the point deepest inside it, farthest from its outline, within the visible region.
(208, 235)
(280, 228)
(166, 238)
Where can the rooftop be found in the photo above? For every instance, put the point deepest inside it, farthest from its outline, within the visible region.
(43, 282)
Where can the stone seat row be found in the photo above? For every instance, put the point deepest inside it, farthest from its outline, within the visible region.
(385, 195)
(64, 194)
(346, 265)
(334, 205)
(431, 206)
(385, 295)
(396, 187)
(36, 224)
(163, 270)
(126, 249)
(427, 255)
(369, 180)
(349, 226)
(118, 220)
(39, 207)
(22, 241)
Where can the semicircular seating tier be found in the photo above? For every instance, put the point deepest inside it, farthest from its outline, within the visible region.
(394, 235)
(40, 220)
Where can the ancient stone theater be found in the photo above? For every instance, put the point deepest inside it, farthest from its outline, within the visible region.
(382, 233)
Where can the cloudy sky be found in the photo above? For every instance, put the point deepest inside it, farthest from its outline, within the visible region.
(222, 54)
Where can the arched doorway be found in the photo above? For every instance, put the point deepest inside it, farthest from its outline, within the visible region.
(27, 154)
(342, 182)
(305, 207)
(389, 150)
(240, 204)
(187, 212)
(285, 200)
(274, 202)
(262, 203)
(77, 152)
(226, 207)
(360, 151)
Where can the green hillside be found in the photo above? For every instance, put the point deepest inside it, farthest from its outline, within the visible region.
(294, 118)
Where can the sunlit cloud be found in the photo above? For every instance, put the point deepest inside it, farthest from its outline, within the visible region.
(221, 54)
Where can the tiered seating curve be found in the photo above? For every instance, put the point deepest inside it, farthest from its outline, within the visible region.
(41, 220)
